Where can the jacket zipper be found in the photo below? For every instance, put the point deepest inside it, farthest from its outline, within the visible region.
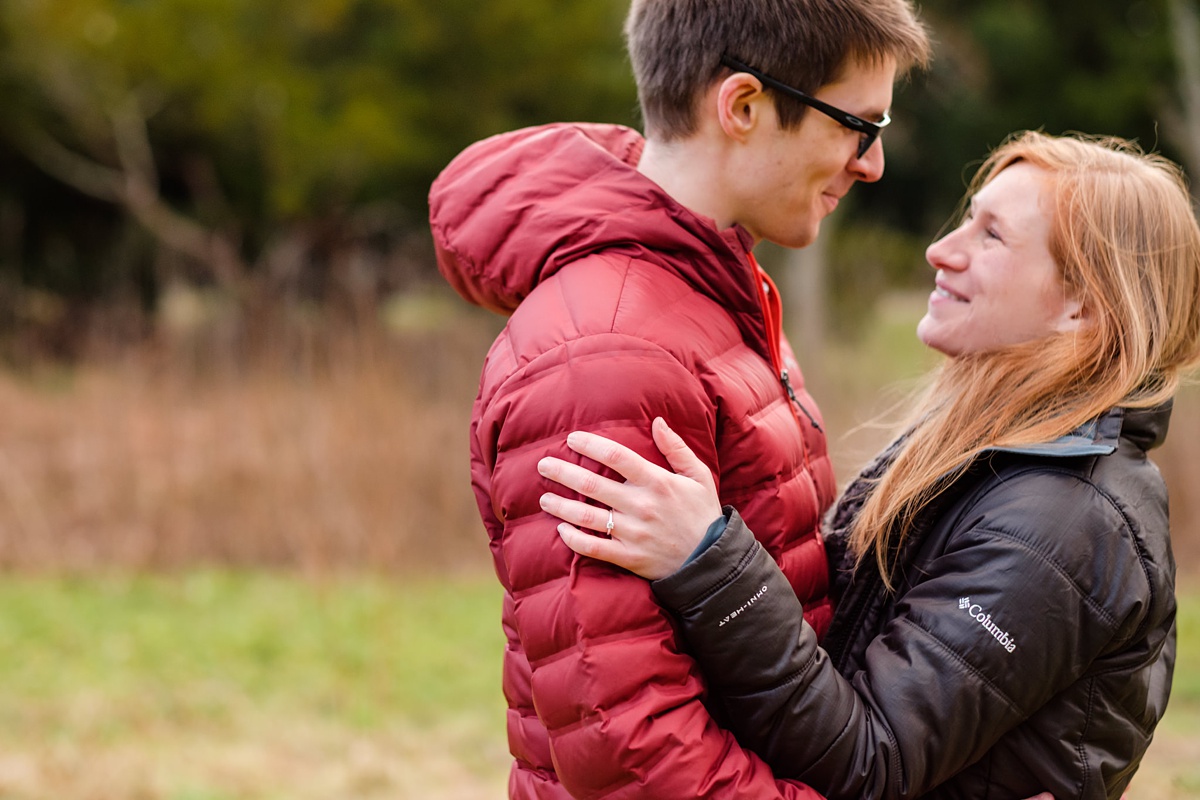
(787, 384)
(768, 296)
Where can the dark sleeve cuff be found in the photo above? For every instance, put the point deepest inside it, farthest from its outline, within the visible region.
(712, 567)
(711, 535)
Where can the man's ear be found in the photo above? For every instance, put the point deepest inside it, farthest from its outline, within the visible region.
(740, 99)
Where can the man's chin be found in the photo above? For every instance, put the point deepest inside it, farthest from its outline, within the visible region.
(801, 239)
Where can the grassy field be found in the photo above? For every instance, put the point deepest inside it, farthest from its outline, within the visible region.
(209, 686)
(218, 685)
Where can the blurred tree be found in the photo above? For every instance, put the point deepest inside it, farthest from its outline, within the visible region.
(264, 138)
(286, 148)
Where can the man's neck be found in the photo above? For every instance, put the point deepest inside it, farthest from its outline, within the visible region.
(686, 171)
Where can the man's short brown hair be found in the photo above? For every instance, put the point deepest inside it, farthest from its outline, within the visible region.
(676, 46)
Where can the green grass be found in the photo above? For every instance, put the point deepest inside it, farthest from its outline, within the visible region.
(1182, 722)
(228, 675)
(217, 685)
(1186, 688)
(368, 647)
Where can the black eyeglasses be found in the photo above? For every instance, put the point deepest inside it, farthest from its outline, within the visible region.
(870, 130)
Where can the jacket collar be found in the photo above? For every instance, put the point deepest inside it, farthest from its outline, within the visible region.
(1145, 427)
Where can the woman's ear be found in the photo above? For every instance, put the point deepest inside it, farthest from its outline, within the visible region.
(1074, 316)
(739, 99)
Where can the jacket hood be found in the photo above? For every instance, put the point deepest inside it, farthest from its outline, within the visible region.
(512, 210)
(1147, 427)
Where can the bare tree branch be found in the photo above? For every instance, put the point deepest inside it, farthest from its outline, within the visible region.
(133, 141)
(78, 172)
(134, 186)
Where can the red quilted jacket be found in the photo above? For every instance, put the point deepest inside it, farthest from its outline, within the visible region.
(624, 306)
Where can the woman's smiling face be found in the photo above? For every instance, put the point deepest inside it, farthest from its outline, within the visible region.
(997, 284)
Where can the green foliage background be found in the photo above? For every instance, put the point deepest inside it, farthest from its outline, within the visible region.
(266, 116)
(322, 123)
(311, 105)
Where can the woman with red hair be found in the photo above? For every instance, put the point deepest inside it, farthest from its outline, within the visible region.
(1005, 619)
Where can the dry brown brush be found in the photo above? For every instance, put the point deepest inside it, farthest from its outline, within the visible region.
(309, 448)
(308, 445)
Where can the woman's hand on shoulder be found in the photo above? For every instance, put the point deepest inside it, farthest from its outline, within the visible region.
(658, 516)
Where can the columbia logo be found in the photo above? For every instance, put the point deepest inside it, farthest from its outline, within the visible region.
(985, 621)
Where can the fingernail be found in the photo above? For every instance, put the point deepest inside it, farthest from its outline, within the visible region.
(544, 501)
(573, 439)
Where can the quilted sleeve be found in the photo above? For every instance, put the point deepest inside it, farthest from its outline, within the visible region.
(610, 681)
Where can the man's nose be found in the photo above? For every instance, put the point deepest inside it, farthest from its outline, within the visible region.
(869, 167)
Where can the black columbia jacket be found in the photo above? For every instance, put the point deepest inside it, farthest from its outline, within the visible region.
(1028, 646)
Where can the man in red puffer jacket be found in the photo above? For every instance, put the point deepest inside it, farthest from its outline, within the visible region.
(626, 266)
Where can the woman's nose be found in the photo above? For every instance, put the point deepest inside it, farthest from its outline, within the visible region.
(946, 254)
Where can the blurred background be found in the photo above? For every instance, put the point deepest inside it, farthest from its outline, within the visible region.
(242, 557)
